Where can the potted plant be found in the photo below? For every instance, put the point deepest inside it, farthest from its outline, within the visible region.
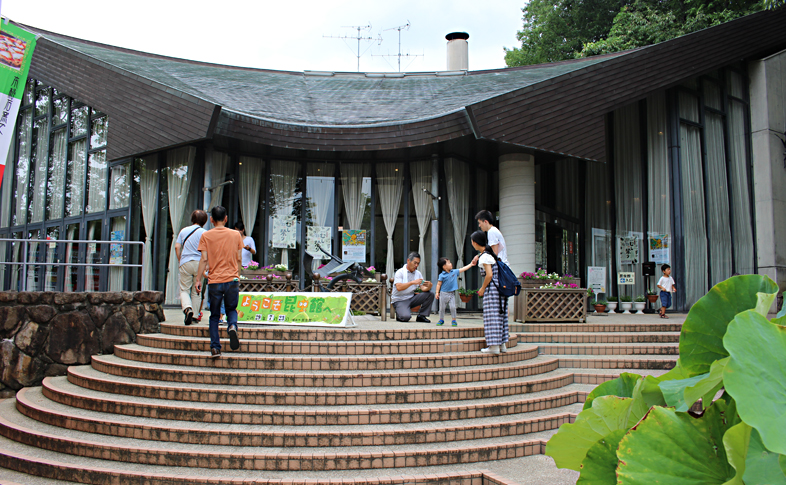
(600, 305)
(639, 303)
(652, 295)
(466, 295)
(612, 304)
(626, 302)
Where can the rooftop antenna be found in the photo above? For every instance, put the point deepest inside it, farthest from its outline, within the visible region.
(358, 37)
(400, 55)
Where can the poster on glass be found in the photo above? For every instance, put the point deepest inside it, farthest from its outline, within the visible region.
(353, 245)
(285, 232)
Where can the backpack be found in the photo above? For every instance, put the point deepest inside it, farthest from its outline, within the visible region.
(508, 283)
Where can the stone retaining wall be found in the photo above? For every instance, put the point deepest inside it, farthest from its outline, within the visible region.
(44, 332)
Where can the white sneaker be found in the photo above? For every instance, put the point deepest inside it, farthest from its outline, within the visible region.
(491, 349)
(503, 348)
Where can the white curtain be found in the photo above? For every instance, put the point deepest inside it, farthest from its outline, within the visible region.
(695, 231)
(16, 270)
(218, 170)
(120, 188)
(96, 182)
(116, 274)
(23, 170)
(180, 166)
(390, 185)
(457, 174)
(719, 230)
(251, 171)
(92, 255)
(320, 187)
(148, 189)
(71, 257)
(628, 190)
(283, 178)
(56, 184)
(75, 187)
(50, 280)
(355, 199)
(741, 216)
(659, 193)
(39, 184)
(598, 215)
(420, 174)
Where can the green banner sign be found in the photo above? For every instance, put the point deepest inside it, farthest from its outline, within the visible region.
(315, 309)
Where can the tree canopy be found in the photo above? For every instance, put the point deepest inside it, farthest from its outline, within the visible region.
(556, 30)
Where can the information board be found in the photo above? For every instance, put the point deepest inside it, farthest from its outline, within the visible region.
(626, 278)
(596, 278)
(309, 309)
(629, 250)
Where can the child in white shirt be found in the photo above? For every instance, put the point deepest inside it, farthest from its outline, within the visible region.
(666, 285)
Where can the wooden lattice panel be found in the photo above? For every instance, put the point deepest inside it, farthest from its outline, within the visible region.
(277, 285)
(552, 305)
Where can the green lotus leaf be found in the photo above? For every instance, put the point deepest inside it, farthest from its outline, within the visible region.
(646, 394)
(600, 465)
(701, 339)
(668, 447)
(678, 372)
(681, 394)
(782, 313)
(756, 376)
(782, 463)
(735, 442)
(622, 386)
(762, 465)
(570, 445)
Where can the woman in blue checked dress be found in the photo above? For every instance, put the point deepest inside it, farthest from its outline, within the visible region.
(495, 306)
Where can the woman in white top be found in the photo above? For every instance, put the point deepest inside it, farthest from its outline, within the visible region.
(249, 248)
(495, 306)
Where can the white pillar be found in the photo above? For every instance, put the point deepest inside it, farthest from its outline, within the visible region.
(517, 211)
(768, 123)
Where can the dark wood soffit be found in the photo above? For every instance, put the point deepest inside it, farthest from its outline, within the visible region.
(564, 114)
(143, 115)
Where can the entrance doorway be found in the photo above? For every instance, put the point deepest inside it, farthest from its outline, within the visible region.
(557, 245)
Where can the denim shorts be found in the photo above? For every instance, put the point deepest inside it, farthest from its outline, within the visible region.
(665, 298)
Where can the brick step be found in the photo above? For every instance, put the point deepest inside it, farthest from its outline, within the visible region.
(395, 347)
(543, 377)
(32, 404)
(110, 364)
(291, 334)
(64, 468)
(595, 327)
(622, 363)
(598, 338)
(61, 391)
(17, 427)
(609, 349)
(247, 361)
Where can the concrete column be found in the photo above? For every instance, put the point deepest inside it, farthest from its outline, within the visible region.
(517, 211)
(768, 124)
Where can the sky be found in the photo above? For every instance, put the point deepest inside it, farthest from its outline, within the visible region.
(286, 35)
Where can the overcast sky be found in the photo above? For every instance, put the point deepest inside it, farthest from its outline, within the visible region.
(286, 35)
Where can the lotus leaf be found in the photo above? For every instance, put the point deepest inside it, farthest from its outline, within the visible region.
(756, 376)
(682, 393)
(762, 465)
(600, 465)
(735, 442)
(620, 387)
(701, 339)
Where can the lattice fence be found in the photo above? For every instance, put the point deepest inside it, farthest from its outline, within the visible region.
(551, 305)
(268, 284)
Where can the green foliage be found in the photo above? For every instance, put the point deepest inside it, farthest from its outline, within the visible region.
(626, 434)
(613, 299)
(640, 298)
(626, 299)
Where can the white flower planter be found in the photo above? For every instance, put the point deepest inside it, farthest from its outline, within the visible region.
(639, 306)
(612, 306)
(626, 306)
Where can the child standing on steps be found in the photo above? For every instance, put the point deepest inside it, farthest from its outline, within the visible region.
(666, 285)
(446, 288)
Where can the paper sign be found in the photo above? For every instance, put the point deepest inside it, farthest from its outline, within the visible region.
(596, 278)
(659, 248)
(629, 250)
(116, 250)
(312, 309)
(626, 278)
(322, 236)
(284, 232)
(353, 245)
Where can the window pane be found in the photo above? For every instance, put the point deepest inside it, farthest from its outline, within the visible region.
(71, 256)
(712, 95)
(34, 272)
(42, 102)
(96, 182)
(37, 191)
(60, 111)
(75, 179)
(50, 281)
(98, 132)
(689, 107)
(736, 85)
(23, 170)
(117, 252)
(29, 90)
(120, 179)
(93, 256)
(79, 121)
(6, 188)
(57, 173)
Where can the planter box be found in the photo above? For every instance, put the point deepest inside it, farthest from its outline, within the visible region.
(539, 283)
(551, 305)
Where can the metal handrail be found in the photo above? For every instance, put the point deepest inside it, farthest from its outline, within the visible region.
(25, 263)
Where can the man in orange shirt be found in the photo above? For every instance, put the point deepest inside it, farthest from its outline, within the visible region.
(221, 251)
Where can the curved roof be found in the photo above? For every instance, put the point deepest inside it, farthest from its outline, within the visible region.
(324, 99)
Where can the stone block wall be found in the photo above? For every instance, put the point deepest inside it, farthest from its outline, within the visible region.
(44, 332)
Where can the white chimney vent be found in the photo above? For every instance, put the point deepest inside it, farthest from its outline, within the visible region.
(458, 57)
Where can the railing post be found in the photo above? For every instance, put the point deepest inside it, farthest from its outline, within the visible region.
(24, 266)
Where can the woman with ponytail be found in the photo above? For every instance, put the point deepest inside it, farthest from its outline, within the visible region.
(495, 314)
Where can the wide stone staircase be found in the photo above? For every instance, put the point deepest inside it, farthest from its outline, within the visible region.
(366, 405)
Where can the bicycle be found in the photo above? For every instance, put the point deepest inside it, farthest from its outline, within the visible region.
(357, 272)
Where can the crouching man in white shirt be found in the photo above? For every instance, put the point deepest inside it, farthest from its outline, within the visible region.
(404, 298)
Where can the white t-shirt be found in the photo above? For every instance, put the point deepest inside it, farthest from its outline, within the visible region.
(486, 258)
(403, 275)
(666, 282)
(188, 251)
(494, 238)
(247, 241)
